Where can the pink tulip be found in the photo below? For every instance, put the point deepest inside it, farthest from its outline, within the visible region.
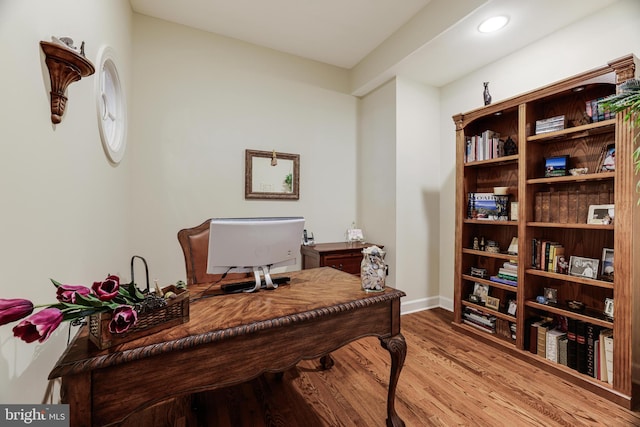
(38, 326)
(67, 293)
(14, 309)
(122, 319)
(108, 289)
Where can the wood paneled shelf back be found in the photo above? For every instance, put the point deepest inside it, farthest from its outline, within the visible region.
(65, 67)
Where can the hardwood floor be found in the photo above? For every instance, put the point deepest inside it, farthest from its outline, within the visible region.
(448, 379)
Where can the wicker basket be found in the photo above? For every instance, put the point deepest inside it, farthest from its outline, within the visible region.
(174, 313)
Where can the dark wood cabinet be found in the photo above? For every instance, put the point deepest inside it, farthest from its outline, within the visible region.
(343, 256)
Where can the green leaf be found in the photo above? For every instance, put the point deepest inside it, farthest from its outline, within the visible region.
(88, 301)
(55, 283)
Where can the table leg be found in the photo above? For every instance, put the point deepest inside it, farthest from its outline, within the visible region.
(397, 347)
(326, 361)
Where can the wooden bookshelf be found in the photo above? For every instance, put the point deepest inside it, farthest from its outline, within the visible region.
(555, 209)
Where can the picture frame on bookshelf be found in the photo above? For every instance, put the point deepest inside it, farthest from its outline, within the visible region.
(607, 161)
(492, 303)
(606, 270)
(556, 166)
(512, 307)
(583, 267)
(474, 298)
(608, 307)
(601, 214)
(513, 214)
(551, 295)
(481, 290)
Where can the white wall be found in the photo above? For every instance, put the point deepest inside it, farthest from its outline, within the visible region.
(64, 210)
(587, 44)
(398, 196)
(417, 194)
(200, 100)
(376, 167)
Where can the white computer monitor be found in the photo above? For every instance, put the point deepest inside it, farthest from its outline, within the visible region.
(254, 245)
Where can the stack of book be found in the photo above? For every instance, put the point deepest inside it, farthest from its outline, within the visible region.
(551, 124)
(547, 255)
(596, 112)
(507, 274)
(506, 329)
(486, 146)
(487, 206)
(479, 319)
(584, 347)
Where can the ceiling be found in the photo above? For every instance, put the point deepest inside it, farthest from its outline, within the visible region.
(441, 41)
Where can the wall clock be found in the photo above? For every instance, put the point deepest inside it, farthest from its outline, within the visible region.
(111, 106)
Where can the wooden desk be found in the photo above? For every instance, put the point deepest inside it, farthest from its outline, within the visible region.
(345, 256)
(229, 340)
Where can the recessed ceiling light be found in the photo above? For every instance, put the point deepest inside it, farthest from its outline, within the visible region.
(493, 24)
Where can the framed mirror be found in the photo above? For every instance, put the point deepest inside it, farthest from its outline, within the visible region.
(271, 175)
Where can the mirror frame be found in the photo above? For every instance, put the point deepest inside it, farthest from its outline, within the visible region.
(248, 176)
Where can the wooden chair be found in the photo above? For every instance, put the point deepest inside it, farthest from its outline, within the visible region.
(195, 247)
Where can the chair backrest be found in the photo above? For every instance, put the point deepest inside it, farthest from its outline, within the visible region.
(195, 247)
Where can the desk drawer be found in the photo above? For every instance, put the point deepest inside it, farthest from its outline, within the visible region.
(349, 263)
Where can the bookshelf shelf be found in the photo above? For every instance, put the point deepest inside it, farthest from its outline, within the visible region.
(572, 279)
(570, 225)
(489, 337)
(564, 311)
(495, 313)
(491, 222)
(591, 129)
(600, 176)
(490, 254)
(552, 221)
(491, 283)
(493, 162)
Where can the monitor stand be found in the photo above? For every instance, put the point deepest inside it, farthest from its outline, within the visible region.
(267, 278)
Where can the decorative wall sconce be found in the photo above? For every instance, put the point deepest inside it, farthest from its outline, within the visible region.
(65, 66)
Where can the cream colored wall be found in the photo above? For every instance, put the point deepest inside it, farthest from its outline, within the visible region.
(64, 207)
(376, 171)
(199, 101)
(587, 44)
(417, 194)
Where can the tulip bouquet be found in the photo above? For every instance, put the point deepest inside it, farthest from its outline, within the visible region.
(75, 302)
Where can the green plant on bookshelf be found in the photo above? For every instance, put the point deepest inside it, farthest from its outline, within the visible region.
(628, 97)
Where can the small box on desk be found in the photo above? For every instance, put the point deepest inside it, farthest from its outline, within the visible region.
(174, 313)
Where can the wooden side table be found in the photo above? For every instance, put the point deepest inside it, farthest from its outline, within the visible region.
(343, 256)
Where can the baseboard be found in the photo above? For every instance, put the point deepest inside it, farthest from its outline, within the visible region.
(421, 304)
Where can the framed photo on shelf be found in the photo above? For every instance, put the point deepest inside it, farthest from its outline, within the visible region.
(512, 307)
(551, 295)
(481, 290)
(514, 211)
(556, 166)
(606, 270)
(492, 303)
(607, 161)
(600, 214)
(608, 307)
(583, 267)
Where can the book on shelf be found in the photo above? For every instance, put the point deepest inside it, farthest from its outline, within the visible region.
(606, 336)
(593, 334)
(531, 334)
(553, 335)
(504, 281)
(550, 124)
(485, 146)
(572, 345)
(581, 346)
(487, 206)
(562, 350)
(543, 328)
